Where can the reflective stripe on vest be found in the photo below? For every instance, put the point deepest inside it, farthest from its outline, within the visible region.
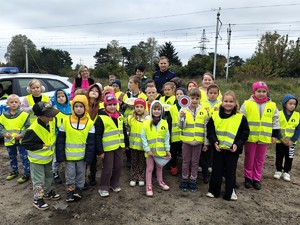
(176, 131)
(226, 129)
(287, 128)
(76, 139)
(44, 155)
(135, 140)
(194, 129)
(45, 98)
(128, 110)
(156, 138)
(260, 128)
(210, 110)
(113, 136)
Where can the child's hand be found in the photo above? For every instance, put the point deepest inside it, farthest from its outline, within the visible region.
(274, 140)
(19, 136)
(205, 148)
(217, 146)
(150, 153)
(234, 148)
(284, 141)
(182, 113)
(290, 143)
(101, 156)
(8, 135)
(168, 154)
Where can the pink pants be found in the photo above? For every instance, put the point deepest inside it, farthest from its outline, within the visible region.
(190, 160)
(150, 166)
(254, 160)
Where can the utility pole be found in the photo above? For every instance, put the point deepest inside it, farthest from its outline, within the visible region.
(216, 42)
(228, 43)
(26, 56)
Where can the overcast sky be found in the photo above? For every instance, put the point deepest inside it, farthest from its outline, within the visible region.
(83, 27)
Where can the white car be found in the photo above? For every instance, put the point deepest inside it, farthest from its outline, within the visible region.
(17, 83)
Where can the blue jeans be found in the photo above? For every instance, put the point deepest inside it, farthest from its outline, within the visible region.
(13, 152)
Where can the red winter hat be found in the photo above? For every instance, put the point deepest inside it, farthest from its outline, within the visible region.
(259, 84)
(110, 98)
(140, 101)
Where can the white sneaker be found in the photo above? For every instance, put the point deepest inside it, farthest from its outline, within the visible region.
(233, 196)
(209, 169)
(210, 195)
(199, 169)
(103, 193)
(277, 175)
(117, 189)
(141, 183)
(132, 183)
(286, 177)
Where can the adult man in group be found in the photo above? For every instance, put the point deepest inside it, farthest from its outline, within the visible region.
(163, 75)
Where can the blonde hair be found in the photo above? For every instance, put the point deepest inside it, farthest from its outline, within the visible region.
(208, 74)
(81, 69)
(13, 96)
(32, 82)
(156, 105)
(195, 92)
(232, 94)
(79, 91)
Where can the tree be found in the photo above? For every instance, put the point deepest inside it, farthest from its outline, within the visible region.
(169, 50)
(101, 57)
(15, 55)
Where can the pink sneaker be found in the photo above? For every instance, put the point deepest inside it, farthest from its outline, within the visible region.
(149, 191)
(163, 185)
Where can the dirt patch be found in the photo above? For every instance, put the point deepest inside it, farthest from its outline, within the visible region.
(277, 203)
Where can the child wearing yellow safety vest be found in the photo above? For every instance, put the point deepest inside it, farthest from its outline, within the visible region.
(13, 125)
(113, 137)
(76, 145)
(192, 120)
(207, 80)
(227, 132)
(263, 118)
(176, 144)
(211, 104)
(155, 138)
(35, 90)
(138, 161)
(290, 131)
(39, 140)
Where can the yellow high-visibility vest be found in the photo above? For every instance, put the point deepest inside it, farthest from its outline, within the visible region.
(287, 128)
(210, 110)
(135, 140)
(226, 129)
(175, 135)
(169, 101)
(45, 98)
(128, 110)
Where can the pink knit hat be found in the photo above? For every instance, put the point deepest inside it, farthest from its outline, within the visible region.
(259, 84)
(110, 98)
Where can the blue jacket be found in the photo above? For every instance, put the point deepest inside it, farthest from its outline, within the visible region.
(160, 78)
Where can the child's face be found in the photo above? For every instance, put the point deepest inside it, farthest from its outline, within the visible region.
(132, 86)
(179, 93)
(139, 109)
(228, 103)
(156, 111)
(207, 80)
(290, 105)
(78, 109)
(190, 86)
(36, 89)
(195, 101)
(116, 87)
(212, 94)
(139, 73)
(94, 93)
(110, 80)
(61, 97)
(111, 108)
(260, 93)
(151, 93)
(168, 91)
(13, 103)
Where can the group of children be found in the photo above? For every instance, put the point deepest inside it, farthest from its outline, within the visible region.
(211, 131)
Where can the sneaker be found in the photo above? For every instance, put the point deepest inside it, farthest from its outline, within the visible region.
(209, 169)
(56, 178)
(52, 195)
(286, 177)
(92, 179)
(77, 193)
(233, 196)
(210, 195)
(141, 183)
(40, 204)
(103, 193)
(23, 179)
(117, 189)
(132, 183)
(163, 185)
(277, 175)
(174, 171)
(12, 175)
(256, 185)
(149, 191)
(193, 185)
(248, 183)
(70, 196)
(199, 169)
(184, 185)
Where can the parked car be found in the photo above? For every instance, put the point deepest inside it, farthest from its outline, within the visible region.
(17, 84)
